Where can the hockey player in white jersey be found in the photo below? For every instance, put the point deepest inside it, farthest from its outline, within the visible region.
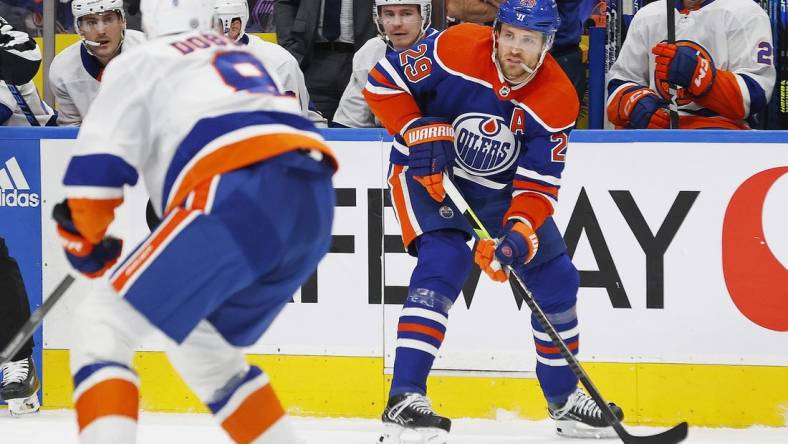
(401, 23)
(242, 181)
(75, 73)
(234, 15)
(722, 63)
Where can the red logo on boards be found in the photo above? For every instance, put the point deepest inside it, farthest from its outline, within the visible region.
(757, 281)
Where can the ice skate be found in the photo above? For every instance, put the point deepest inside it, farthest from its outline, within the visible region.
(20, 387)
(581, 417)
(409, 419)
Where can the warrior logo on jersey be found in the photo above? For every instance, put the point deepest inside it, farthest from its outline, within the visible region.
(484, 144)
(682, 97)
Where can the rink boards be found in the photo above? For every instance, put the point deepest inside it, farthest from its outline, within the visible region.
(679, 237)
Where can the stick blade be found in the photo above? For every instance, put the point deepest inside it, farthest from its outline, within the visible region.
(671, 436)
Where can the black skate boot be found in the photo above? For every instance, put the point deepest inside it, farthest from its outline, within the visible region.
(581, 417)
(409, 419)
(20, 387)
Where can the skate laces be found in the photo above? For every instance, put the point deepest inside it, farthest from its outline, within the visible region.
(15, 371)
(582, 404)
(415, 401)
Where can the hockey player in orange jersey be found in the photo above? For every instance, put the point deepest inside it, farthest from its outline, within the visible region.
(492, 108)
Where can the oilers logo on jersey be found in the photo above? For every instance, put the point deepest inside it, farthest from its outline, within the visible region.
(484, 144)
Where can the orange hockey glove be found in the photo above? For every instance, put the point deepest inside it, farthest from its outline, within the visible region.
(684, 66)
(518, 245)
(639, 107)
(431, 146)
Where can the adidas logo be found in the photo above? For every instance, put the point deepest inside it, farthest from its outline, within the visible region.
(14, 189)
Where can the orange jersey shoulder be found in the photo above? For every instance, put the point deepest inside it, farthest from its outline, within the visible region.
(551, 95)
(467, 49)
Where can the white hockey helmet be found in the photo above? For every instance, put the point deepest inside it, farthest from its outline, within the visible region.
(164, 17)
(227, 10)
(81, 8)
(425, 10)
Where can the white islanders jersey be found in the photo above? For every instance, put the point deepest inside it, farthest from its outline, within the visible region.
(204, 106)
(277, 59)
(737, 36)
(22, 106)
(75, 77)
(353, 111)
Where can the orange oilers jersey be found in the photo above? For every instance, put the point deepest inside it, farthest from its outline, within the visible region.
(508, 138)
(734, 34)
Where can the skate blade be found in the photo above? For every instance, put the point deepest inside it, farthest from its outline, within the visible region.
(574, 429)
(396, 434)
(23, 406)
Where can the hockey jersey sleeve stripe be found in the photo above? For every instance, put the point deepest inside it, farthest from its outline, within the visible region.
(533, 175)
(99, 170)
(381, 90)
(92, 217)
(391, 73)
(230, 141)
(377, 78)
(528, 185)
(483, 181)
(757, 96)
(393, 110)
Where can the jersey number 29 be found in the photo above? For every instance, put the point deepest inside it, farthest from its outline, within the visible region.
(416, 65)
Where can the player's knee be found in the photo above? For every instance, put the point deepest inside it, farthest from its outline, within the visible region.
(554, 284)
(105, 329)
(207, 362)
(443, 264)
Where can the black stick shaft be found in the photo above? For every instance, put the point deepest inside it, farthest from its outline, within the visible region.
(30, 326)
(673, 107)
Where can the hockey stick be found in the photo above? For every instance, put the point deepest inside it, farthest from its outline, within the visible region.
(35, 320)
(672, 436)
(673, 107)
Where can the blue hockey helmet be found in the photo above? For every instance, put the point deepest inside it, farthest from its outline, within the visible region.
(533, 15)
(536, 15)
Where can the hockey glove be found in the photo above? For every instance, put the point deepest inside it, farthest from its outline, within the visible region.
(684, 66)
(639, 108)
(518, 245)
(431, 144)
(92, 260)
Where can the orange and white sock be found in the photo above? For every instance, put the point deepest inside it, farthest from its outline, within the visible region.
(106, 398)
(252, 413)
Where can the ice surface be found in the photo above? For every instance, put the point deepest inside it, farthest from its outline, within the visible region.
(59, 426)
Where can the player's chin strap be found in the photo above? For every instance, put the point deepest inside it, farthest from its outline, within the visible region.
(548, 43)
